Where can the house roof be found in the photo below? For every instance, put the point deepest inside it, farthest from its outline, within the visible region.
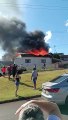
(64, 56)
(31, 55)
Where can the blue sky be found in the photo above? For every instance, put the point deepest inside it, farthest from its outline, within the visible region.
(50, 16)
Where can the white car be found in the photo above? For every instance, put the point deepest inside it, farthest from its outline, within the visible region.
(56, 90)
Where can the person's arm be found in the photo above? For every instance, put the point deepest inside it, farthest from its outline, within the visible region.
(49, 107)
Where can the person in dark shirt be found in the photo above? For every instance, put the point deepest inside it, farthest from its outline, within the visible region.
(14, 71)
(9, 70)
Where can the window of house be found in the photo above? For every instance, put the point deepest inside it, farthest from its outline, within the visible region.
(27, 60)
(43, 60)
(66, 59)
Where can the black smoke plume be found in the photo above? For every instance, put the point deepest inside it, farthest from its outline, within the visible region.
(33, 40)
(14, 37)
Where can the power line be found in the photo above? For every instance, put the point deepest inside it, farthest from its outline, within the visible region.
(59, 31)
(55, 46)
(36, 6)
(31, 5)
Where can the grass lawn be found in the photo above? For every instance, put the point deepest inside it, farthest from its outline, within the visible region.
(7, 88)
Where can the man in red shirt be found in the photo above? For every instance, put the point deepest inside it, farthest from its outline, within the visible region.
(3, 70)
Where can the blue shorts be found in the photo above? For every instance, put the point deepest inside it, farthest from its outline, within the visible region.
(16, 83)
(34, 80)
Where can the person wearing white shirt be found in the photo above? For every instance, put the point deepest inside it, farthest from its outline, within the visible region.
(34, 77)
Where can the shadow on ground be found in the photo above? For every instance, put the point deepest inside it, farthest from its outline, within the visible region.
(21, 83)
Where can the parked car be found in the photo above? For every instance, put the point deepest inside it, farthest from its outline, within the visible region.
(56, 90)
(21, 69)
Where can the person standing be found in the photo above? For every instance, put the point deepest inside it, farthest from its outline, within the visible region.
(44, 66)
(14, 71)
(3, 69)
(9, 70)
(17, 82)
(35, 66)
(34, 77)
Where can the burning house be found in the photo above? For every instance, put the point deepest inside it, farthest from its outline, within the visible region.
(15, 39)
(34, 58)
(34, 51)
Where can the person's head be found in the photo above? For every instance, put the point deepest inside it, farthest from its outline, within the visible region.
(34, 68)
(31, 112)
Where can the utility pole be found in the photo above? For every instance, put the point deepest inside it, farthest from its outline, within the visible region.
(55, 49)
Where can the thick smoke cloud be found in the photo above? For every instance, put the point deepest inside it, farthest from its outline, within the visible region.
(14, 37)
(33, 40)
(11, 32)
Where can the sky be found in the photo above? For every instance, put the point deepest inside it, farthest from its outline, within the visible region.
(49, 16)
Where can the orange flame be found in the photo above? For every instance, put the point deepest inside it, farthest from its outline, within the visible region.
(38, 52)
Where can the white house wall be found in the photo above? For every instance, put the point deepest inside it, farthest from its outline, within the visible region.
(34, 61)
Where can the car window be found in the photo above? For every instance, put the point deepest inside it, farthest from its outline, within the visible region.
(58, 79)
(67, 80)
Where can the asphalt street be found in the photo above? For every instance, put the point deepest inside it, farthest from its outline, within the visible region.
(7, 110)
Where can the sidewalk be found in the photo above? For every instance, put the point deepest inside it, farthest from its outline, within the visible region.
(23, 98)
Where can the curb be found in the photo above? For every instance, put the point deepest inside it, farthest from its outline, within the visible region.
(22, 98)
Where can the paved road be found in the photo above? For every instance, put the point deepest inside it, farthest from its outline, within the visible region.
(7, 110)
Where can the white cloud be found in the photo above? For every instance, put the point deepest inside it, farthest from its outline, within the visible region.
(48, 36)
(10, 8)
(50, 50)
(66, 23)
